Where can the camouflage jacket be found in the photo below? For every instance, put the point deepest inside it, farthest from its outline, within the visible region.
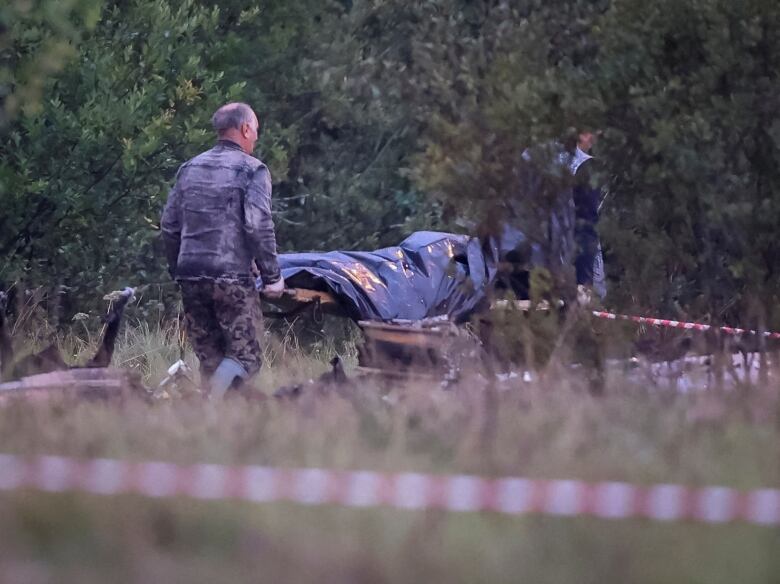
(218, 217)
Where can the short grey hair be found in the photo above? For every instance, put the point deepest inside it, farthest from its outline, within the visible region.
(232, 115)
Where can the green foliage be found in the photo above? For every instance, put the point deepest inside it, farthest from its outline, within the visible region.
(683, 91)
(469, 78)
(87, 175)
(346, 185)
(37, 40)
(689, 91)
(384, 117)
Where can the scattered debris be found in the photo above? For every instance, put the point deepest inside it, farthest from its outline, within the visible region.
(426, 350)
(334, 380)
(45, 373)
(178, 383)
(85, 382)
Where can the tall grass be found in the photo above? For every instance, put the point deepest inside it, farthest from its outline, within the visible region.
(550, 427)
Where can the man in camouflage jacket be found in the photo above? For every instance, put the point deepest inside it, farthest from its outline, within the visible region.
(217, 221)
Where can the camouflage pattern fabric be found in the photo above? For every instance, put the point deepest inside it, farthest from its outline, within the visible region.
(224, 319)
(218, 218)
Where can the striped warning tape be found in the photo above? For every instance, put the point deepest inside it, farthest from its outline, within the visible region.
(360, 489)
(660, 322)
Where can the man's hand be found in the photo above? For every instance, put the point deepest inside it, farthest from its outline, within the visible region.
(274, 290)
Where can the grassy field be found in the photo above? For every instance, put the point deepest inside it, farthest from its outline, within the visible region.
(550, 428)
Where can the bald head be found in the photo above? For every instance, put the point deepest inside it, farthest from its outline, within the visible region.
(238, 123)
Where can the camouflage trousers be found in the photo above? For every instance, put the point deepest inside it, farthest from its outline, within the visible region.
(224, 319)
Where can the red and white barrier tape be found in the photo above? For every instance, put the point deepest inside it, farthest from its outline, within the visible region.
(683, 325)
(361, 489)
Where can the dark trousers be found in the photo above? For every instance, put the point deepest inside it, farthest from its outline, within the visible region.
(587, 241)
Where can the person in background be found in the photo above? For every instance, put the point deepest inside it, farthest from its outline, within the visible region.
(216, 223)
(589, 262)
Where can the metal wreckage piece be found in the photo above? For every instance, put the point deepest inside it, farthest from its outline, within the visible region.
(45, 374)
(408, 300)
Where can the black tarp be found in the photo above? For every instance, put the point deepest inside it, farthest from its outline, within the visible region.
(432, 274)
(429, 274)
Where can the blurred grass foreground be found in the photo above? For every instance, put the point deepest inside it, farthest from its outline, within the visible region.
(551, 427)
